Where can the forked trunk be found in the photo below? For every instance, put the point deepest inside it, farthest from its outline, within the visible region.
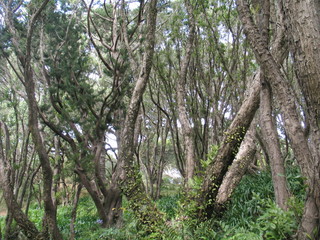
(308, 164)
(127, 175)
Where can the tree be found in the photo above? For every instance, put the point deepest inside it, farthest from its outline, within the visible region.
(186, 128)
(304, 30)
(24, 55)
(161, 77)
(6, 176)
(298, 139)
(267, 121)
(127, 177)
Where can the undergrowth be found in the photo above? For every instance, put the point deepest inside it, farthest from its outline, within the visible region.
(251, 214)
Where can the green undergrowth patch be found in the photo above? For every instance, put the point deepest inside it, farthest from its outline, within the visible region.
(250, 214)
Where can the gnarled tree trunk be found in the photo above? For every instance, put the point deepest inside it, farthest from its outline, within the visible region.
(24, 55)
(283, 93)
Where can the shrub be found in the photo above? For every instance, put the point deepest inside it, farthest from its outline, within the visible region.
(168, 205)
(275, 223)
(244, 207)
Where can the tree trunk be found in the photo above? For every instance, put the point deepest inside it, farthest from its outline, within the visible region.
(92, 190)
(19, 216)
(267, 121)
(239, 167)
(74, 212)
(127, 175)
(113, 203)
(50, 209)
(271, 139)
(162, 160)
(186, 128)
(57, 170)
(25, 57)
(228, 150)
(304, 23)
(285, 97)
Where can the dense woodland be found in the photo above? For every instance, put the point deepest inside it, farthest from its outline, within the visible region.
(159, 119)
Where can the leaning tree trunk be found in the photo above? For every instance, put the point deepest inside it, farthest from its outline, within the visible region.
(235, 133)
(228, 150)
(239, 166)
(285, 97)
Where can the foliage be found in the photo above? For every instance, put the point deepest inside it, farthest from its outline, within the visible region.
(2, 223)
(251, 214)
(82, 99)
(35, 214)
(170, 186)
(275, 223)
(296, 181)
(169, 205)
(210, 157)
(245, 200)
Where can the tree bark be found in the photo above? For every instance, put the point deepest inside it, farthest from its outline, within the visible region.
(271, 139)
(239, 166)
(186, 128)
(285, 97)
(19, 216)
(126, 175)
(228, 150)
(304, 26)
